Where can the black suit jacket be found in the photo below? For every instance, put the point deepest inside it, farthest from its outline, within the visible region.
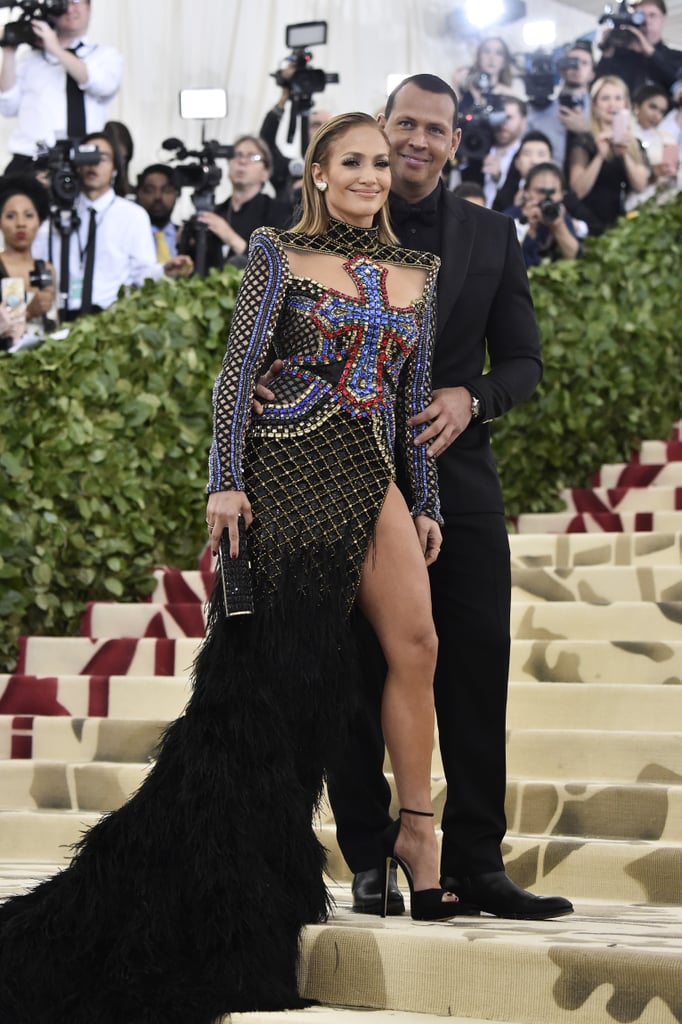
(484, 304)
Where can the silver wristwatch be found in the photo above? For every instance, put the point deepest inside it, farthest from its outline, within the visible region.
(476, 409)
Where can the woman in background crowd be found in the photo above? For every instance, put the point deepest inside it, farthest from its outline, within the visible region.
(491, 72)
(607, 163)
(24, 205)
(650, 105)
(230, 226)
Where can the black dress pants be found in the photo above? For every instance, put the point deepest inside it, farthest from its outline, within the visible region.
(471, 594)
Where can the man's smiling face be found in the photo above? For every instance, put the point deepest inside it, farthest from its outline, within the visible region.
(420, 131)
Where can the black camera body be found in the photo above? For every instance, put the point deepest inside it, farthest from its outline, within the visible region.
(479, 123)
(306, 79)
(539, 73)
(204, 175)
(619, 18)
(21, 31)
(40, 277)
(571, 101)
(62, 162)
(549, 208)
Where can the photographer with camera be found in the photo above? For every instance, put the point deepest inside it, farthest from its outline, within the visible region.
(231, 223)
(63, 85)
(112, 244)
(491, 74)
(27, 285)
(281, 178)
(567, 113)
(543, 225)
(632, 45)
(506, 140)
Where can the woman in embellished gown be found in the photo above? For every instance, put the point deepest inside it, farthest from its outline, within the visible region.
(188, 902)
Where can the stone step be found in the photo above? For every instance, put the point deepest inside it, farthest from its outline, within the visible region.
(597, 661)
(110, 619)
(621, 871)
(578, 868)
(590, 754)
(593, 583)
(548, 620)
(588, 661)
(601, 964)
(629, 474)
(623, 620)
(62, 786)
(84, 656)
(622, 499)
(656, 452)
(637, 811)
(107, 619)
(476, 965)
(603, 706)
(575, 754)
(598, 584)
(175, 586)
(119, 741)
(599, 522)
(91, 696)
(538, 550)
(162, 698)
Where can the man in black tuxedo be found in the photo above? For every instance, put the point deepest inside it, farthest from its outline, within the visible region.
(483, 304)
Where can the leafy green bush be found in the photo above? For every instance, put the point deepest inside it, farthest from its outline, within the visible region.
(612, 348)
(104, 435)
(104, 441)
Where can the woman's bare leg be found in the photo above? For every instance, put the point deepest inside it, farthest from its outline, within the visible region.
(395, 597)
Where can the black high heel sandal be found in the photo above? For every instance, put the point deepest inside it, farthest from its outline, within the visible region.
(425, 904)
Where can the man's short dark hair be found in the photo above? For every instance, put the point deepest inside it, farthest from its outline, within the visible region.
(647, 92)
(656, 3)
(469, 190)
(535, 136)
(546, 167)
(427, 83)
(584, 45)
(164, 169)
(520, 104)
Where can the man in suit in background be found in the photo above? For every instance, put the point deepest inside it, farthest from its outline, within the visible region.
(484, 305)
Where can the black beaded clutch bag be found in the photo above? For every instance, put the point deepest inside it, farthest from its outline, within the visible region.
(236, 574)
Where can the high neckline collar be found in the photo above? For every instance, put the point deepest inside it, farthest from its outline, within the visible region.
(341, 239)
(339, 230)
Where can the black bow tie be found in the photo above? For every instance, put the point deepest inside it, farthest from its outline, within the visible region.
(425, 212)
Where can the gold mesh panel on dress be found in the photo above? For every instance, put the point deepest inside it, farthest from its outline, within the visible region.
(322, 491)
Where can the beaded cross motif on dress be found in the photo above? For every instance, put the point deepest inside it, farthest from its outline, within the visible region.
(374, 337)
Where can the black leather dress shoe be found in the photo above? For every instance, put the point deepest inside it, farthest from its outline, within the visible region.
(368, 893)
(495, 893)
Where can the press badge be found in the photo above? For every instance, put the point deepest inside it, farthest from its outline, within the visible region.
(75, 290)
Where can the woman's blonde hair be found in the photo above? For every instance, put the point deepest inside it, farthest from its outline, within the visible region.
(315, 219)
(634, 149)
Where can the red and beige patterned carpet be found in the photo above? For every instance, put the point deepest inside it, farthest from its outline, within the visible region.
(595, 764)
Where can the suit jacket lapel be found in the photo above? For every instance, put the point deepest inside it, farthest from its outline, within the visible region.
(458, 235)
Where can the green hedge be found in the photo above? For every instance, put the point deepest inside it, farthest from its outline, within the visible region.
(611, 331)
(104, 435)
(104, 441)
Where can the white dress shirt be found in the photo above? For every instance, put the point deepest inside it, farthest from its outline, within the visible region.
(491, 187)
(38, 97)
(124, 248)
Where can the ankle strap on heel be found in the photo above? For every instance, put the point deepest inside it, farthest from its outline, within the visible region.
(422, 814)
